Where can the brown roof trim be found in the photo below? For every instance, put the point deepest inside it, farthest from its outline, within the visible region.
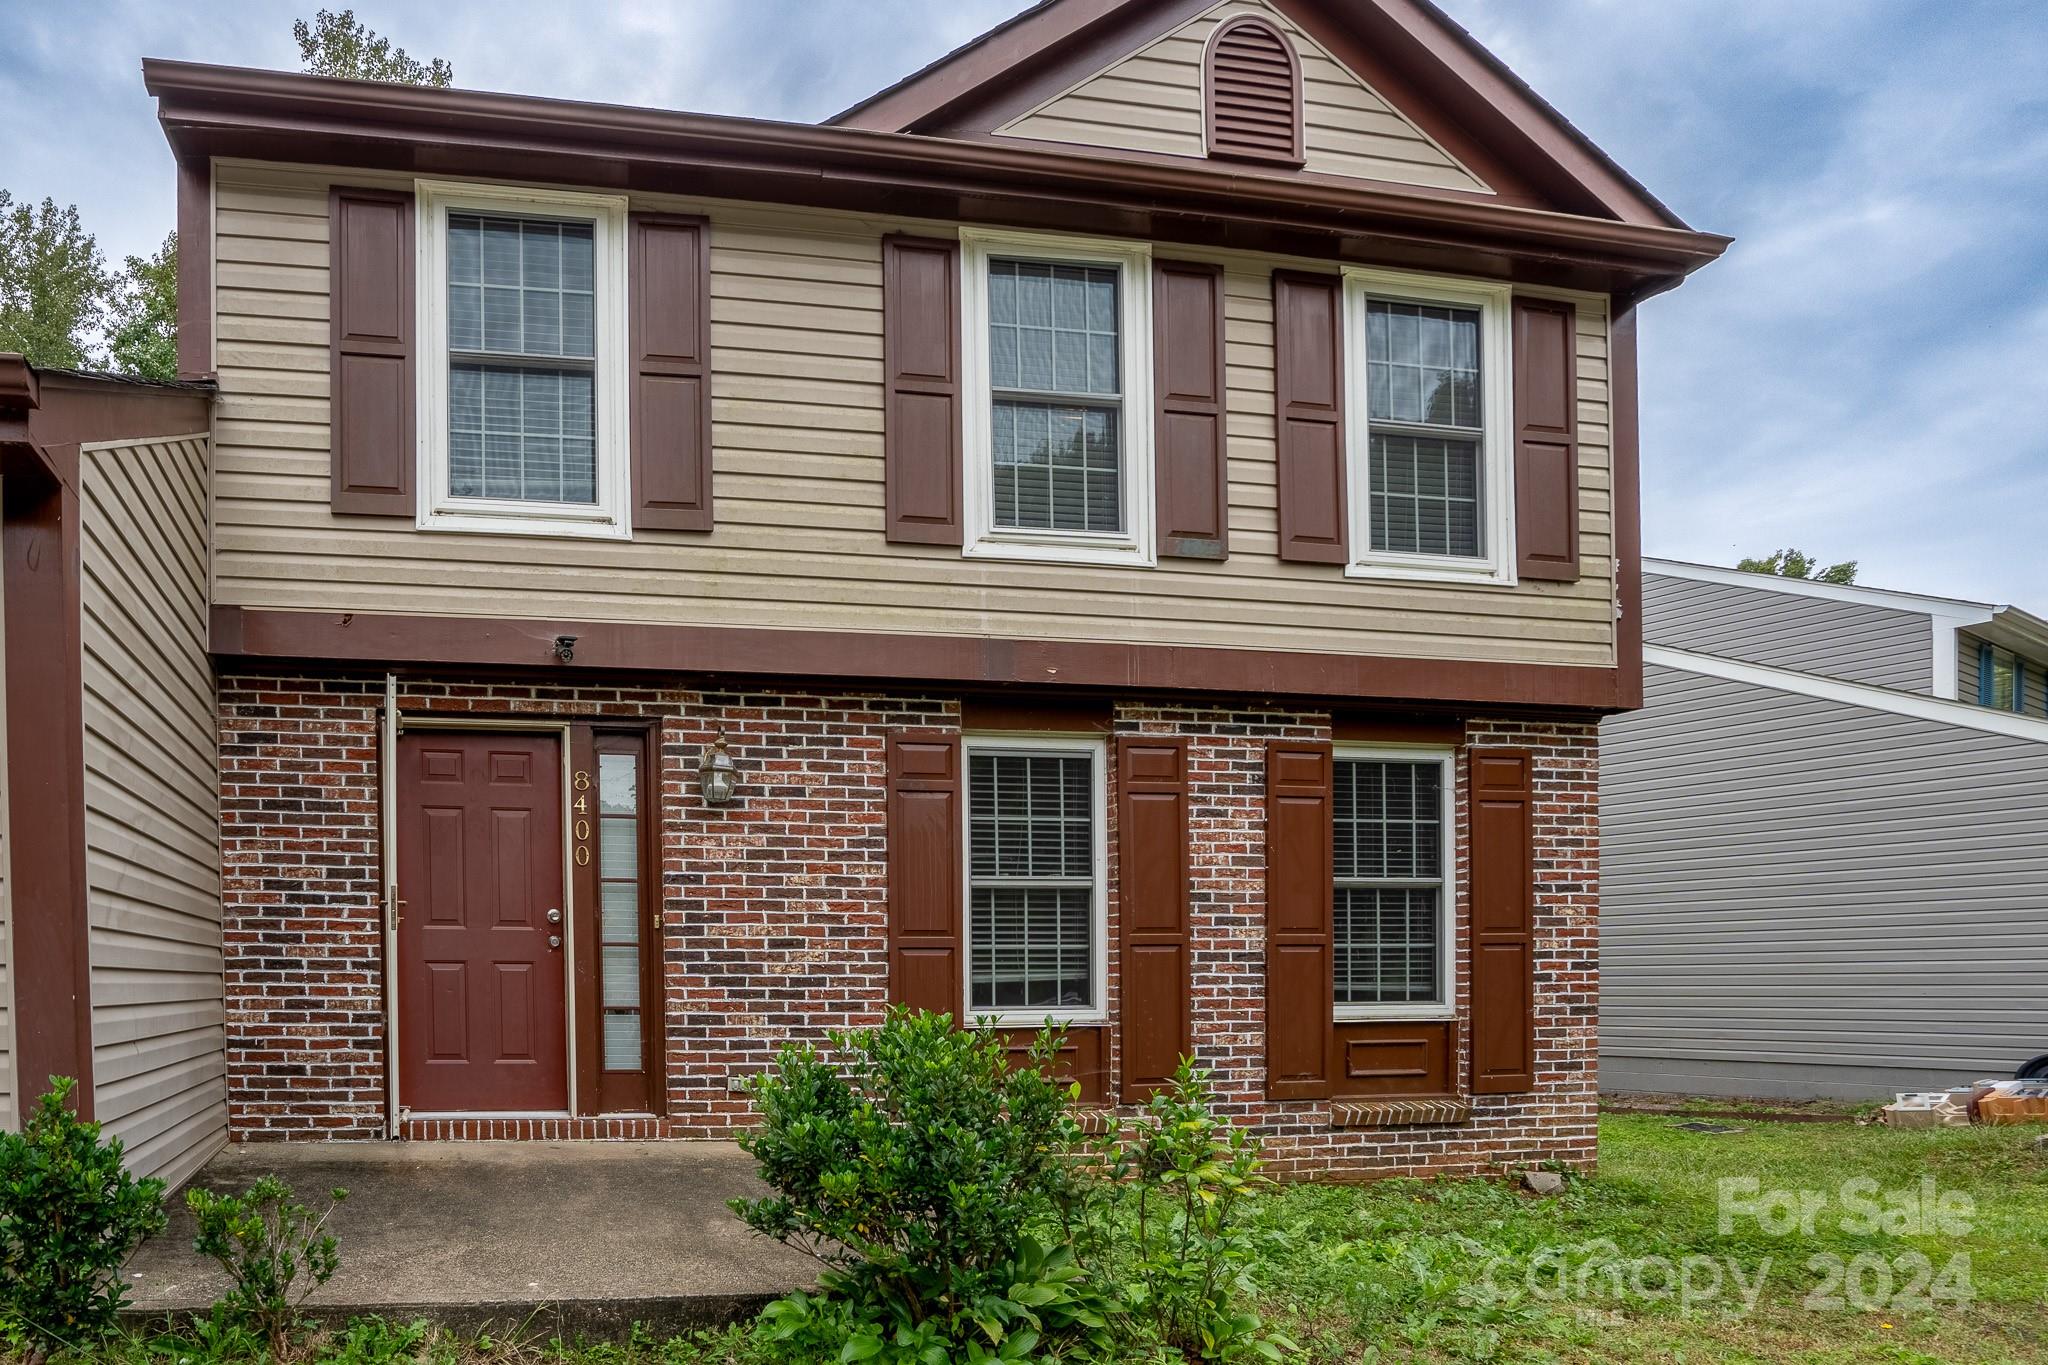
(268, 115)
(1548, 131)
(18, 386)
(962, 71)
(963, 661)
(79, 407)
(1453, 71)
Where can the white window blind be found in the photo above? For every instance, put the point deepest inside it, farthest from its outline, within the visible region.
(1032, 889)
(1389, 872)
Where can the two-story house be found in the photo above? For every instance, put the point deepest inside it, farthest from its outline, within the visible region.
(1134, 525)
(1825, 842)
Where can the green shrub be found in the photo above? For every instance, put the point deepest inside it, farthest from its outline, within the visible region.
(70, 1216)
(937, 1184)
(1190, 1254)
(274, 1250)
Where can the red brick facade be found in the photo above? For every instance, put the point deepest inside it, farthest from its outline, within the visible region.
(775, 913)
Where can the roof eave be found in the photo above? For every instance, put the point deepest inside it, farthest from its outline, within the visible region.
(214, 110)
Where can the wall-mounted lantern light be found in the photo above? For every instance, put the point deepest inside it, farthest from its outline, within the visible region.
(716, 774)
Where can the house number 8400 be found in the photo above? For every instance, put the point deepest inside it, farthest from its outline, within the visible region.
(581, 805)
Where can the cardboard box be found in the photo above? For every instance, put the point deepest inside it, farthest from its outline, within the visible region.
(2003, 1109)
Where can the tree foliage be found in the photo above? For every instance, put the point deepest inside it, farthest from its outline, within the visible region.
(342, 45)
(1795, 564)
(145, 315)
(53, 284)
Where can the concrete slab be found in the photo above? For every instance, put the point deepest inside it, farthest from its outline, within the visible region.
(557, 1236)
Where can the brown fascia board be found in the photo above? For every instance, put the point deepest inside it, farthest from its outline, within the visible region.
(279, 116)
(966, 68)
(18, 386)
(1494, 94)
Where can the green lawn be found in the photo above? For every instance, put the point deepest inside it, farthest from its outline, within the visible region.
(1471, 1270)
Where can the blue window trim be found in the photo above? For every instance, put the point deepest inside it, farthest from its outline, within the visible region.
(1984, 673)
(2019, 685)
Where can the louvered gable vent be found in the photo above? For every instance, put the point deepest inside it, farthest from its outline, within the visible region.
(1254, 88)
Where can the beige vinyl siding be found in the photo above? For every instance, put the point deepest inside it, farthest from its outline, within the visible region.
(796, 315)
(1151, 101)
(151, 811)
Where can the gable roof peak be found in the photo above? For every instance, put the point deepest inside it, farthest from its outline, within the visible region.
(1438, 66)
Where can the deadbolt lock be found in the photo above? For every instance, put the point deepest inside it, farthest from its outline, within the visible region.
(554, 917)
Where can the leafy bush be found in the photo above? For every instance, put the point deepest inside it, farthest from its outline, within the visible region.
(962, 1214)
(70, 1216)
(1191, 1255)
(936, 1183)
(272, 1247)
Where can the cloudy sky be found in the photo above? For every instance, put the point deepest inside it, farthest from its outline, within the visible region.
(1865, 375)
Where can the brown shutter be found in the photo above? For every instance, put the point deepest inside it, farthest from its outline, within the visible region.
(1546, 440)
(1308, 331)
(1300, 1007)
(1187, 345)
(1503, 923)
(925, 870)
(1254, 87)
(370, 261)
(921, 361)
(1152, 882)
(668, 265)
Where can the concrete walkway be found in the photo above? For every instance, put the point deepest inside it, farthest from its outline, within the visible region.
(567, 1237)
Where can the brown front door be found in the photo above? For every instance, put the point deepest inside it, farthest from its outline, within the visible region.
(482, 1023)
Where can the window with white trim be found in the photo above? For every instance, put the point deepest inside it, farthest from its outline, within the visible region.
(1036, 858)
(1430, 461)
(1057, 345)
(1392, 816)
(522, 397)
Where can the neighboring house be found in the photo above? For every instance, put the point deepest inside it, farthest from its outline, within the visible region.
(1824, 843)
(1134, 524)
(110, 906)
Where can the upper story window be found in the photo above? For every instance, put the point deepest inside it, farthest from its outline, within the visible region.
(1429, 461)
(1252, 79)
(1057, 343)
(1392, 812)
(2001, 679)
(1036, 868)
(522, 313)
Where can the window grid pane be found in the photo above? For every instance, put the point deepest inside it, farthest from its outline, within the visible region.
(521, 290)
(1058, 465)
(1031, 881)
(618, 886)
(1425, 495)
(1423, 370)
(1388, 828)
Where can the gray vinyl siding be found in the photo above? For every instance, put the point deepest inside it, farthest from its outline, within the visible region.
(1849, 640)
(152, 816)
(1802, 896)
(1969, 659)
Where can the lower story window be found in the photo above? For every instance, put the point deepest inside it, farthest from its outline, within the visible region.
(1034, 878)
(1392, 871)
